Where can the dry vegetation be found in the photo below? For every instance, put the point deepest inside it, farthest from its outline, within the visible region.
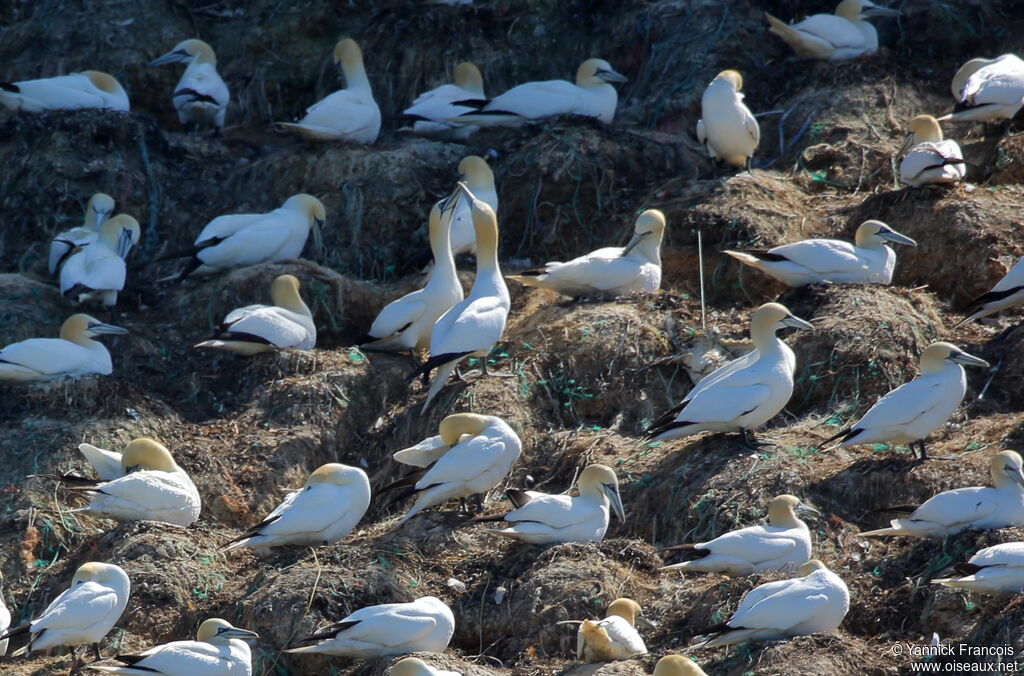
(590, 376)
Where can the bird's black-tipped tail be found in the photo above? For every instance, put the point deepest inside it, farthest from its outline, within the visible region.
(432, 363)
(845, 434)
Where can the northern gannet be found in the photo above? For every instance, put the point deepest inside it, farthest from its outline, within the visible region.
(414, 666)
(325, 510)
(106, 464)
(220, 649)
(472, 327)
(423, 625)
(88, 89)
(930, 159)
(84, 613)
(993, 570)
(73, 355)
(978, 507)
(591, 96)
(613, 638)
(1008, 292)
(743, 394)
(782, 545)
(97, 272)
(235, 240)
(831, 261)
(349, 114)
(612, 271)
(481, 450)
(99, 208)
(677, 665)
(406, 323)
(200, 97)
(152, 488)
(254, 329)
(988, 90)
(479, 178)
(431, 110)
(542, 518)
(915, 409)
(727, 129)
(835, 37)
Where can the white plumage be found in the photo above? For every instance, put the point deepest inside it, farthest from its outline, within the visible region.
(97, 272)
(727, 129)
(1008, 292)
(982, 508)
(930, 159)
(88, 89)
(915, 409)
(830, 261)
(782, 545)
(432, 109)
(73, 355)
(835, 37)
(333, 500)
(743, 394)
(817, 601)
(98, 209)
(106, 464)
(349, 114)
(612, 271)
(219, 650)
(413, 666)
(287, 324)
(423, 625)
(613, 638)
(541, 518)
(993, 570)
(479, 178)
(200, 97)
(988, 90)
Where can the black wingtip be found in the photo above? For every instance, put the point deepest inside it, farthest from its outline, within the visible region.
(10, 87)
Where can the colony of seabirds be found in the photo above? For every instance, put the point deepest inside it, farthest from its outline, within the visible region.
(474, 453)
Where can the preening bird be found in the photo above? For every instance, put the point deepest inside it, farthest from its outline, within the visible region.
(993, 570)
(727, 129)
(835, 37)
(743, 394)
(612, 271)
(478, 177)
(988, 90)
(200, 97)
(1008, 292)
(88, 89)
(254, 329)
(97, 272)
(930, 159)
(349, 114)
(978, 507)
(830, 261)
(613, 638)
(325, 510)
(431, 110)
(908, 414)
(99, 208)
(783, 544)
(74, 355)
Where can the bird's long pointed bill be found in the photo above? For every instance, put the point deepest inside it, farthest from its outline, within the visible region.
(637, 238)
(897, 238)
(646, 621)
(1016, 474)
(808, 511)
(107, 329)
(100, 216)
(970, 360)
(612, 491)
(875, 10)
(318, 236)
(124, 242)
(243, 634)
(797, 323)
(611, 76)
(908, 143)
(169, 57)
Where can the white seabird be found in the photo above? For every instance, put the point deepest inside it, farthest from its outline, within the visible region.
(835, 37)
(479, 178)
(423, 625)
(254, 329)
(152, 488)
(542, 518)
(782, 545)
(743, 394)
(1008, 292)
(88, 89)
(815, 602)
(831, 261)
(470, 466)
(234, 240)
(99, 208)
(988, 90)
(993, 570)
(325, 510)
(590, 96)
(677, 665)
(978, 507)
(431, 110)
(73, 355)
(349, 114)
(727, 129)
(200, 97)
(406, 323)
(915, 409)
(472, 327)
(414, 666)
(612, 271)
(930, 159)
(97, 272)
(84, 613)
(220, 649)
(613, 638)
(106, 464)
